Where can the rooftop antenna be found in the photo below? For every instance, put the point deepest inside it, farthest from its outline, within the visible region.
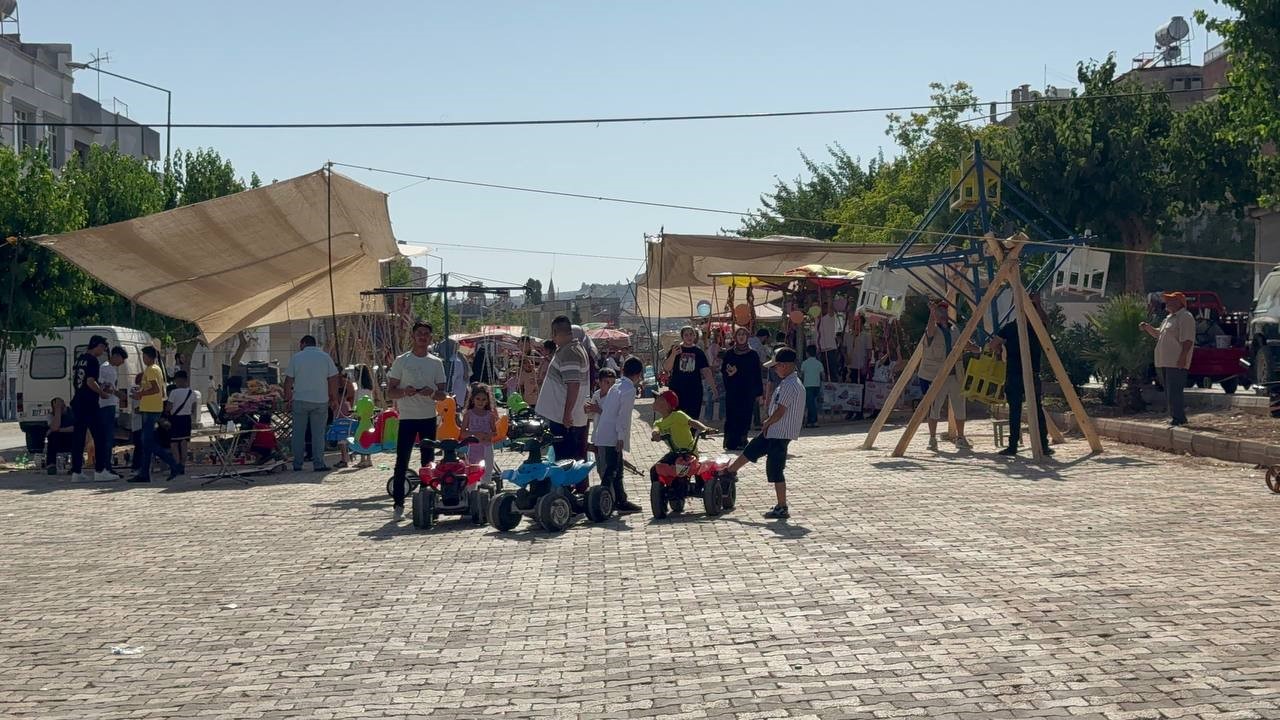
(96, 59)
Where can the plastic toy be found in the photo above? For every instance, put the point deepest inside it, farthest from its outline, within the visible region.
(796, 317)
(447, 419)
(742, 314)
(451, 486)
(815, 311)
(389, 425)
(364, 439)
(549, 492)
(691, 475)
(984, 379)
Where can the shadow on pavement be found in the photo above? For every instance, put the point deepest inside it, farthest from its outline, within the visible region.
(784, 529)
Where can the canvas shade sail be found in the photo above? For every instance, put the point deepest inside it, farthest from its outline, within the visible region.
(254, 258)
(678, 267)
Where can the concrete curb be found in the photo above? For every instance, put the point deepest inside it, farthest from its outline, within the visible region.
(1181, 440)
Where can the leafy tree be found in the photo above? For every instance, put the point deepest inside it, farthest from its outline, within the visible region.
(1253, 102)
(533, 296)
(829, 184)
(205, 175)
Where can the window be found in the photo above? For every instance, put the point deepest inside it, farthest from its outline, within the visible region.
(48, 363)
(24, 136)
(1269, 293)
(52, 136)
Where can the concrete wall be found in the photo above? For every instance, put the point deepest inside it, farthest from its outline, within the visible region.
(35, 80)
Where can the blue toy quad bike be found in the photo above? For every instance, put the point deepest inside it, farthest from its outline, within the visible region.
(550, 493)
(451, 486)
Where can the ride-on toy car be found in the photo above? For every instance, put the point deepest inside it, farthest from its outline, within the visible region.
(692, 475)
(549, 492)
(451, 486)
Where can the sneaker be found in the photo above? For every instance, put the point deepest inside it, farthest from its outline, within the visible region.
(963, 443)
(106, 476)
(398, 510)
(933, 442)
(626, 506)
(319, 468)
(779, 512)
(1009, 451)
(1048, 450)
(79, 477)
(139, 479)
(1177, 423)
(173, 473)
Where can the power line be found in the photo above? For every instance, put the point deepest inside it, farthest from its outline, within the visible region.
(598, 120)
(493, 248)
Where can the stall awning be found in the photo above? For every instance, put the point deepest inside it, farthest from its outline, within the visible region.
(254, 258)
(679, 267)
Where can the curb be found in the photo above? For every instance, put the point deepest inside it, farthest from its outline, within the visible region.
(1180, 440)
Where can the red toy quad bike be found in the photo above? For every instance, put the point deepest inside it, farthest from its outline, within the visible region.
(451, 486)
(691, 475)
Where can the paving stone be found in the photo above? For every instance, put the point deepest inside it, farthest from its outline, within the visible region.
(1127, 585)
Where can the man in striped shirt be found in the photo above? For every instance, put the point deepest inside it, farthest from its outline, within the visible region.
(562, 398)
(786, 415)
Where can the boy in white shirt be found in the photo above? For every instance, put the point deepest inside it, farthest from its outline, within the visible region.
(613, 431)
(180, 405)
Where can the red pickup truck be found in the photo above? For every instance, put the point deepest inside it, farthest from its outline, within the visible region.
(1221, 342)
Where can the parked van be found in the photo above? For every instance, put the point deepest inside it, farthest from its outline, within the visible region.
(44, 372)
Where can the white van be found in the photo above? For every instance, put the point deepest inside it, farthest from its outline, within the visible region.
(44, 372)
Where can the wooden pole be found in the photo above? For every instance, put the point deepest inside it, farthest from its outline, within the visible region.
(1060, 372)
(894, 394)
(1028, 373)
(1009, 266)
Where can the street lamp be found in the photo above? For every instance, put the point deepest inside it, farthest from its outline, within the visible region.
(168, 120)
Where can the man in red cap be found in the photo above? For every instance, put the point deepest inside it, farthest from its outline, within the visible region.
(1174, 342)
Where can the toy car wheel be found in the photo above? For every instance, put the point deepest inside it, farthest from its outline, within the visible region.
(657, 500)
(599, 503)
(554, 512)
(730, 495)
(677, 505)
(713, 498)
(1273, 479)
(424, 508)
(503, 515)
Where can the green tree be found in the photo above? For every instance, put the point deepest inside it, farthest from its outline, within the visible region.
(533, 296)
(205, 175)
(38, 288)
(1253, 100)
(828, 185)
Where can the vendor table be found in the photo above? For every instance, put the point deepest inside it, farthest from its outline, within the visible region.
(228, 447)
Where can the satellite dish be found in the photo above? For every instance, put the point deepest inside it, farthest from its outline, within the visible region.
(7, 8)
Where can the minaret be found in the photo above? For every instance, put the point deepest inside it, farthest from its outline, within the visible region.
(551, 291)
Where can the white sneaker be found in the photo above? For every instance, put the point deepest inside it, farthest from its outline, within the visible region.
(933, 442)
(107, 476)
(80, 478)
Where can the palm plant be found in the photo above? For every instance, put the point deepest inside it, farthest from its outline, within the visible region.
(1124, 351)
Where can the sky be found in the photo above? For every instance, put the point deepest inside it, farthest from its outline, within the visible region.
(403, 60)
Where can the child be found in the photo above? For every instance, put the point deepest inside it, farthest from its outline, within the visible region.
(135, 426)
(675, 424)
(613, 430)
(179, 406)
(481, 420)
(607, 380)
(264, 439)
(812, 372)
(786, 408)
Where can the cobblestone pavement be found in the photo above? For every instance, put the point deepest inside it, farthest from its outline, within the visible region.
(1130, 585)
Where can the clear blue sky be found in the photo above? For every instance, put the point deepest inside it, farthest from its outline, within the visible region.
(401, 60)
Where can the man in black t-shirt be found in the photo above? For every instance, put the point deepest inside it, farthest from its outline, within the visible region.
(84, 404)
(1015, 393)
(687, 369)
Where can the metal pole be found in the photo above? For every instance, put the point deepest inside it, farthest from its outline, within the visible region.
(168, 131)
(448, 349)
(328, 211)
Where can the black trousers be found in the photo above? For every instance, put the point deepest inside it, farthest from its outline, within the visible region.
(411, 431)
(610, 460)
(86, 419)
(737, 419)
(54, 443)
(572, 443)
(1016, 395)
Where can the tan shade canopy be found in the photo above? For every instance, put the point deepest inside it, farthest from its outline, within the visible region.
(678, 266)
(244, 260)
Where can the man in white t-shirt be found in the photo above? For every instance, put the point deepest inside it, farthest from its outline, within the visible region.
(416, 381)
(109, 380)
(311, 389)
(562, 397)
(1175, 342)
(828, 344)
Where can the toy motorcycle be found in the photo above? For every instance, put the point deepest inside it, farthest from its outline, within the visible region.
(549, 492)
(451, 486)
(692, 475)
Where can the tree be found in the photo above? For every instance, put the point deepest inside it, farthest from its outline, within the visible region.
(205, 175)
(829, 184)
(533, 296)
(1253, 101)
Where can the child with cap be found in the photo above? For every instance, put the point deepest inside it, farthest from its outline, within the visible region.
(780, 427)
(676, 425)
